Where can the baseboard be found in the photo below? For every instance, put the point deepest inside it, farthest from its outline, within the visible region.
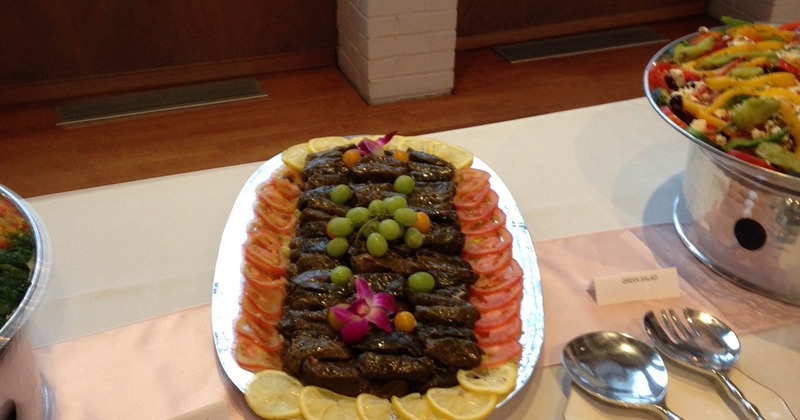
(555, 29)
(111, 84)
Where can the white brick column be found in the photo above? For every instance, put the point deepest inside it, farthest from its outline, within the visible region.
(393, 50)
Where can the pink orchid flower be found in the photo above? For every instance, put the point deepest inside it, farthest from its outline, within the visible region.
(368, 308)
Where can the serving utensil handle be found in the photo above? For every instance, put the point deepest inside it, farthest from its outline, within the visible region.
(746, 406)
(665, 412)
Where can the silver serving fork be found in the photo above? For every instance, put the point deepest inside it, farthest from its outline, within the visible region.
(702, 343)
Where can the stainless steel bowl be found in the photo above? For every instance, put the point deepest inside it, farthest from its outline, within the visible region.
(740, 220)
(23, 393)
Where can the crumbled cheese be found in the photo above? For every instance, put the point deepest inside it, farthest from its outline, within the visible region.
(720, 140)
(699, 124)
(756, 133)
(703, 30)
(741, 40)
(721, 113)
(677, 76)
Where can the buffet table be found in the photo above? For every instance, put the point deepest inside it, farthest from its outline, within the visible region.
(123, 329)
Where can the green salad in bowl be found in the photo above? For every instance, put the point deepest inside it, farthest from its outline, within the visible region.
(734, 88)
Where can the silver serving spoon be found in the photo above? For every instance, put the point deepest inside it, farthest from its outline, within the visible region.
(618, 369)
(707, 345)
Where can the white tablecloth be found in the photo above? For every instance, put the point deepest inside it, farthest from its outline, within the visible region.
(130, 252)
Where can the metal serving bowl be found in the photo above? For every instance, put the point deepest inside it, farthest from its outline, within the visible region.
(741, 220)
(22, 392)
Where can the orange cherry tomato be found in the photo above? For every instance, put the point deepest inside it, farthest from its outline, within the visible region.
(351, 157)
(423, 222)
(400, 155)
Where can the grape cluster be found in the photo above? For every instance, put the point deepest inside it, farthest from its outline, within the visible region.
(380, 222)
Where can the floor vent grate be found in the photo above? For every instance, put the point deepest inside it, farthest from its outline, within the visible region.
(151, 101)
(576, 44)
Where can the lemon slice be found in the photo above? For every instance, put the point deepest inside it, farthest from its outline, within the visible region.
(273, 394)
(295, 156)
(413, 407)
(321, 144)
(457, 156)
(495, 380)
(405, 143)
(371, 407)
(459, 404)
(319, 403)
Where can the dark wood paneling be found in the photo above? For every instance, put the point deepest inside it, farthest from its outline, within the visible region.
(44, 42)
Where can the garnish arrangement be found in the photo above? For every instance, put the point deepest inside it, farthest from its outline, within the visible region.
(737, 90)
(378, 283)
(16, 254)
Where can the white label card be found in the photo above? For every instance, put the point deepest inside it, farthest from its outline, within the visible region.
(641, 285)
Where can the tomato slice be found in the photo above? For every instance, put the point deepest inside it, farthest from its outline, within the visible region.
(490, 224)
(250, 356)
(278, 221)
(490, 263)
(499, 354)
(262, 253)
(269, 340)
(498, 280)
(287, 182)
(263, 281)
(511, 330)
(495, 318)
(270, 196)
(480, 211)
(267, 302)
(263, 320)
(747, 157)
(469, 176)
(484, 302)
(468, 195)
(477, 245)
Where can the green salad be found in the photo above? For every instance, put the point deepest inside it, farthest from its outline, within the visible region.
(16, 255)
(738, 89)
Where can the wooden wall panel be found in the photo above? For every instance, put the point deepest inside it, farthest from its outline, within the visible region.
(45, 41)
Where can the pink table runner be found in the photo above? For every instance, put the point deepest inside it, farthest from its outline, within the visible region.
(166, 367)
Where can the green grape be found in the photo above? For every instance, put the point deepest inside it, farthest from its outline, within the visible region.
(421, 282)
(341, 275)
(376, 244)
(370, 227)
(358, 215)
(390, 229)
(377, 207)
(404, 184)
(337, 247)
(394, 202)
(405, 216)
(341, 193)
(340, 226)
(413, 238)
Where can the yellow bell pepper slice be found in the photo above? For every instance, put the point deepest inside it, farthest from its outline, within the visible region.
(780, 79)
(762, 46)
(729, 94)
(792, 123)
(784, 94)
(699, 111)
